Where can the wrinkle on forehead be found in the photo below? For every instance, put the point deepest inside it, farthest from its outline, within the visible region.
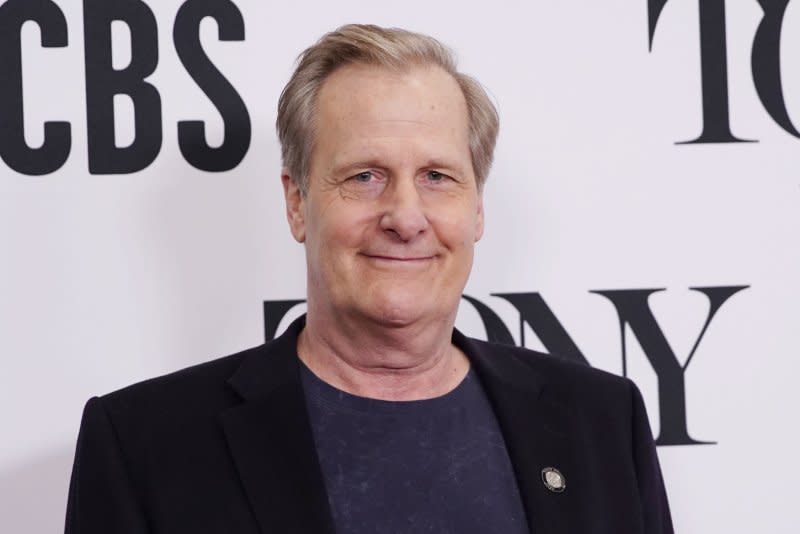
(363, 91)
(364, 97)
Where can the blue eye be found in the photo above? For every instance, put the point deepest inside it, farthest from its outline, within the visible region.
(435, 176)
(365, 176)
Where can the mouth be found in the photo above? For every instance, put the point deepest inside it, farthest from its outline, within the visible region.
(400, 259)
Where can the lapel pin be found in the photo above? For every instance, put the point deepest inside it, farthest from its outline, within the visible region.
(553, 479)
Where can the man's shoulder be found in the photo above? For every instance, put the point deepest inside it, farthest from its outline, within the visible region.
(197, 388)
(556, 373)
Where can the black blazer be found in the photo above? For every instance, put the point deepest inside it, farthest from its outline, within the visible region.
(226, 447)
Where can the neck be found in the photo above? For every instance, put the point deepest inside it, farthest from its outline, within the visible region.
(412, 362)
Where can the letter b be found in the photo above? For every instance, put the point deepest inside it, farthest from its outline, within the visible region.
(103, 82)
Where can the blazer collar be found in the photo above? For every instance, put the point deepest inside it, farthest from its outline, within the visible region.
(271, 440)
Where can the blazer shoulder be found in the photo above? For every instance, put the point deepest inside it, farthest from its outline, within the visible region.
(192, 389)
(557, 372)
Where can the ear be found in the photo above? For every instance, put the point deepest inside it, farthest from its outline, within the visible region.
(295, 207)
(479, 218)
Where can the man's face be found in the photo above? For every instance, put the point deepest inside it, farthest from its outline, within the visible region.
(392, 211)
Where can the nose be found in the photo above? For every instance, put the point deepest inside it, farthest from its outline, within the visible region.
(404, 215)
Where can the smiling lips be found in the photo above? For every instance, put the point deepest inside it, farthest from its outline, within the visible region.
(400, 259)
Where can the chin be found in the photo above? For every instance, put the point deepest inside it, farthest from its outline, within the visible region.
(397, 311)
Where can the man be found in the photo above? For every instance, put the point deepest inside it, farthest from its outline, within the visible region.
(372, 414)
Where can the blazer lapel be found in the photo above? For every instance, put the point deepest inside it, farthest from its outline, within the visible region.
(271, 442)
(535, 429)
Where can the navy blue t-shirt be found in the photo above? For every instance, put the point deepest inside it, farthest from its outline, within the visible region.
(437, 465)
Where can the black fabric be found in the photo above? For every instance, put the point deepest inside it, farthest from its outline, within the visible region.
(437, 465)
(226, 447)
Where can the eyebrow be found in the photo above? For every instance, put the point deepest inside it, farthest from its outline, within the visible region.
(432, 163)
(439, 164)
(350, 167)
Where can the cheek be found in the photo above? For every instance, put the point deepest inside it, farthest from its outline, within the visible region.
(340, 231)
(457, 228)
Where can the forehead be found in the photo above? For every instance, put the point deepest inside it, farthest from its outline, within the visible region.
(362, 87)
(364, 104)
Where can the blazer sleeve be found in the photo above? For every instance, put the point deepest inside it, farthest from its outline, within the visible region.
(652, 494)
(101, 498)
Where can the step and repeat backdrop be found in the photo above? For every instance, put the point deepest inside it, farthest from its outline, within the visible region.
(643, 215)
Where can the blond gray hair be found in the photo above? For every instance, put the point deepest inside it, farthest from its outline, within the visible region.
(391, 48)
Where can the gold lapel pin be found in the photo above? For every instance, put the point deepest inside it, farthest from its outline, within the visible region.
(553, 479)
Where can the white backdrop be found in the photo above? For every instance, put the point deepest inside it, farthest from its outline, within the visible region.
(107, 279)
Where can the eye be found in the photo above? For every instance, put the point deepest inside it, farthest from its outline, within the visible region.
(434, 177)
(363, 177)
(364, 185)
